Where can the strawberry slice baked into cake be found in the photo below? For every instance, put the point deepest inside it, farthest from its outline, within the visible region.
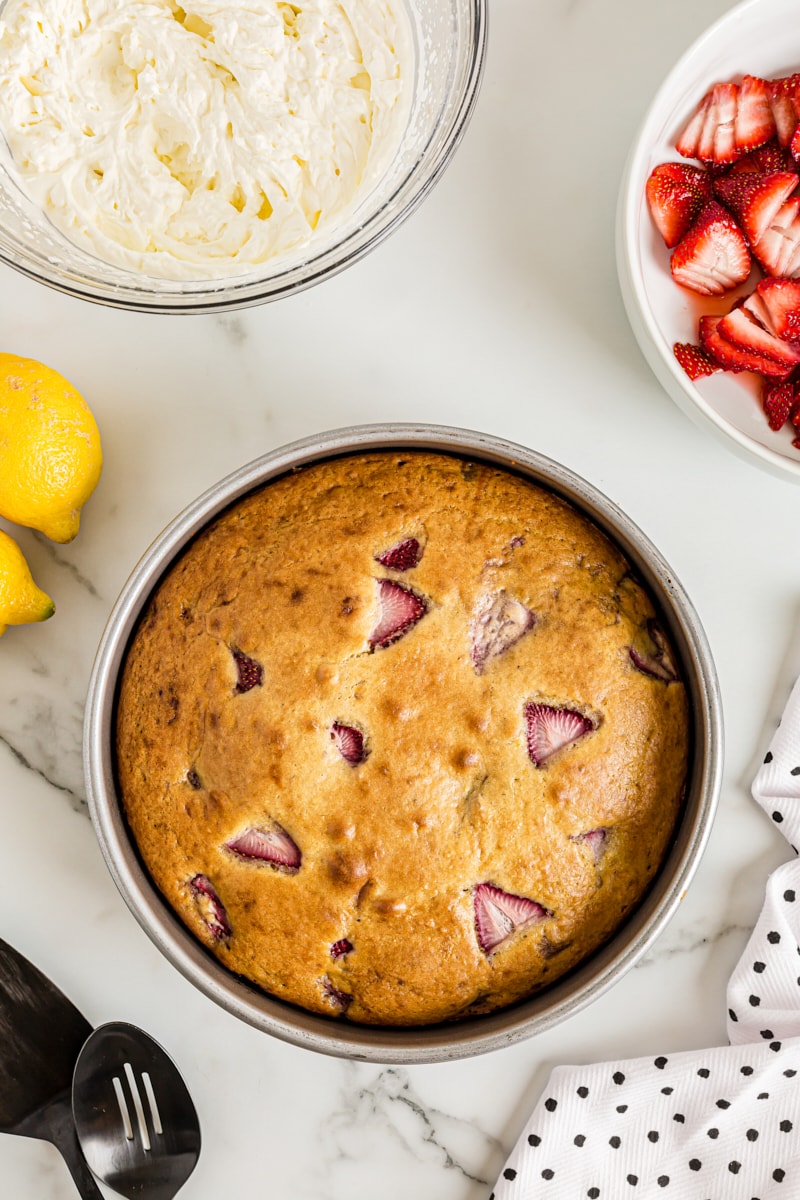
(401, 739)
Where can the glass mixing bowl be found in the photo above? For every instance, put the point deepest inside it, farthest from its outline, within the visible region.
(449, 42)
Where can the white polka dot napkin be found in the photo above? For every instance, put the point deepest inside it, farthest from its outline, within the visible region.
(719, 1124)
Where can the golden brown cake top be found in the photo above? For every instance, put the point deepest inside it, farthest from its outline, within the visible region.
(400, 738)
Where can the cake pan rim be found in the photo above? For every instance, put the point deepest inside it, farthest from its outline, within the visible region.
(425, 1044)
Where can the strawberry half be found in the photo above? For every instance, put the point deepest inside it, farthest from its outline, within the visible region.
(273, 846)
(711, 132)
(783, 94)
(778, 249)
(249, 673)
(676, 192)
(778, 401)
(550, 729)
(350, 743)
(755, 199)
(499, 915)
(767, 159)
(402, 557)
(694, 360)
(713, 256)
(399, 609)
(754, 124)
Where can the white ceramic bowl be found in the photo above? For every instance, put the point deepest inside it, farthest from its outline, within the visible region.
(758, 37)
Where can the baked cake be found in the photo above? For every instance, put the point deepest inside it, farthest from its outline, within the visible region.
(400, 738)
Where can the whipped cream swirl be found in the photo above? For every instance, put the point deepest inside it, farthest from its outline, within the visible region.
(200, 141)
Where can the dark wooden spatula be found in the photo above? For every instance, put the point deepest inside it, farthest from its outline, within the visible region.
(41, 1035)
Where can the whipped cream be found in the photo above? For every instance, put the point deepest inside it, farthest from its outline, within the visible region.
(200, 141)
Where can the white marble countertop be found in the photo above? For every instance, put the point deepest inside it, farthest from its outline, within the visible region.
(495, 307)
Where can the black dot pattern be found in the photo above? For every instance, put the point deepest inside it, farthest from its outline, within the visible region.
(639, 1135)
(719, 1123)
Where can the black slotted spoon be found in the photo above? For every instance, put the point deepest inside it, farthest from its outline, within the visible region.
(41, 1035)
(135, 1120)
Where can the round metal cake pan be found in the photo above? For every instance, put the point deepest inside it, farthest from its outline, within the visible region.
(476, 1035)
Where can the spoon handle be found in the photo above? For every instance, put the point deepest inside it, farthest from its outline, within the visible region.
(55, 1124)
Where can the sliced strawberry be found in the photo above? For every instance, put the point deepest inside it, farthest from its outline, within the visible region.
(675, 193)
(778, 401)
(271, 845)
(595, 839)
(713, 256)
(350, 743)
(340, 948)
(688, 144)
(694, 360)
(499, 915)
(402, 557)
(778, 250)
(783, 94)
(210, 908)
(249, 673)
(658, 661)
(711, 132)
(781, 300)
(743, 330)
(758, 310)
(755, 199)
(754, 123)
(718, 139)
(498, 624)
(731, 357)
(550, 729)
(399, 609)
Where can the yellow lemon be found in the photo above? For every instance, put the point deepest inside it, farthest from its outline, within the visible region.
(50, 453)
(21, 600)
